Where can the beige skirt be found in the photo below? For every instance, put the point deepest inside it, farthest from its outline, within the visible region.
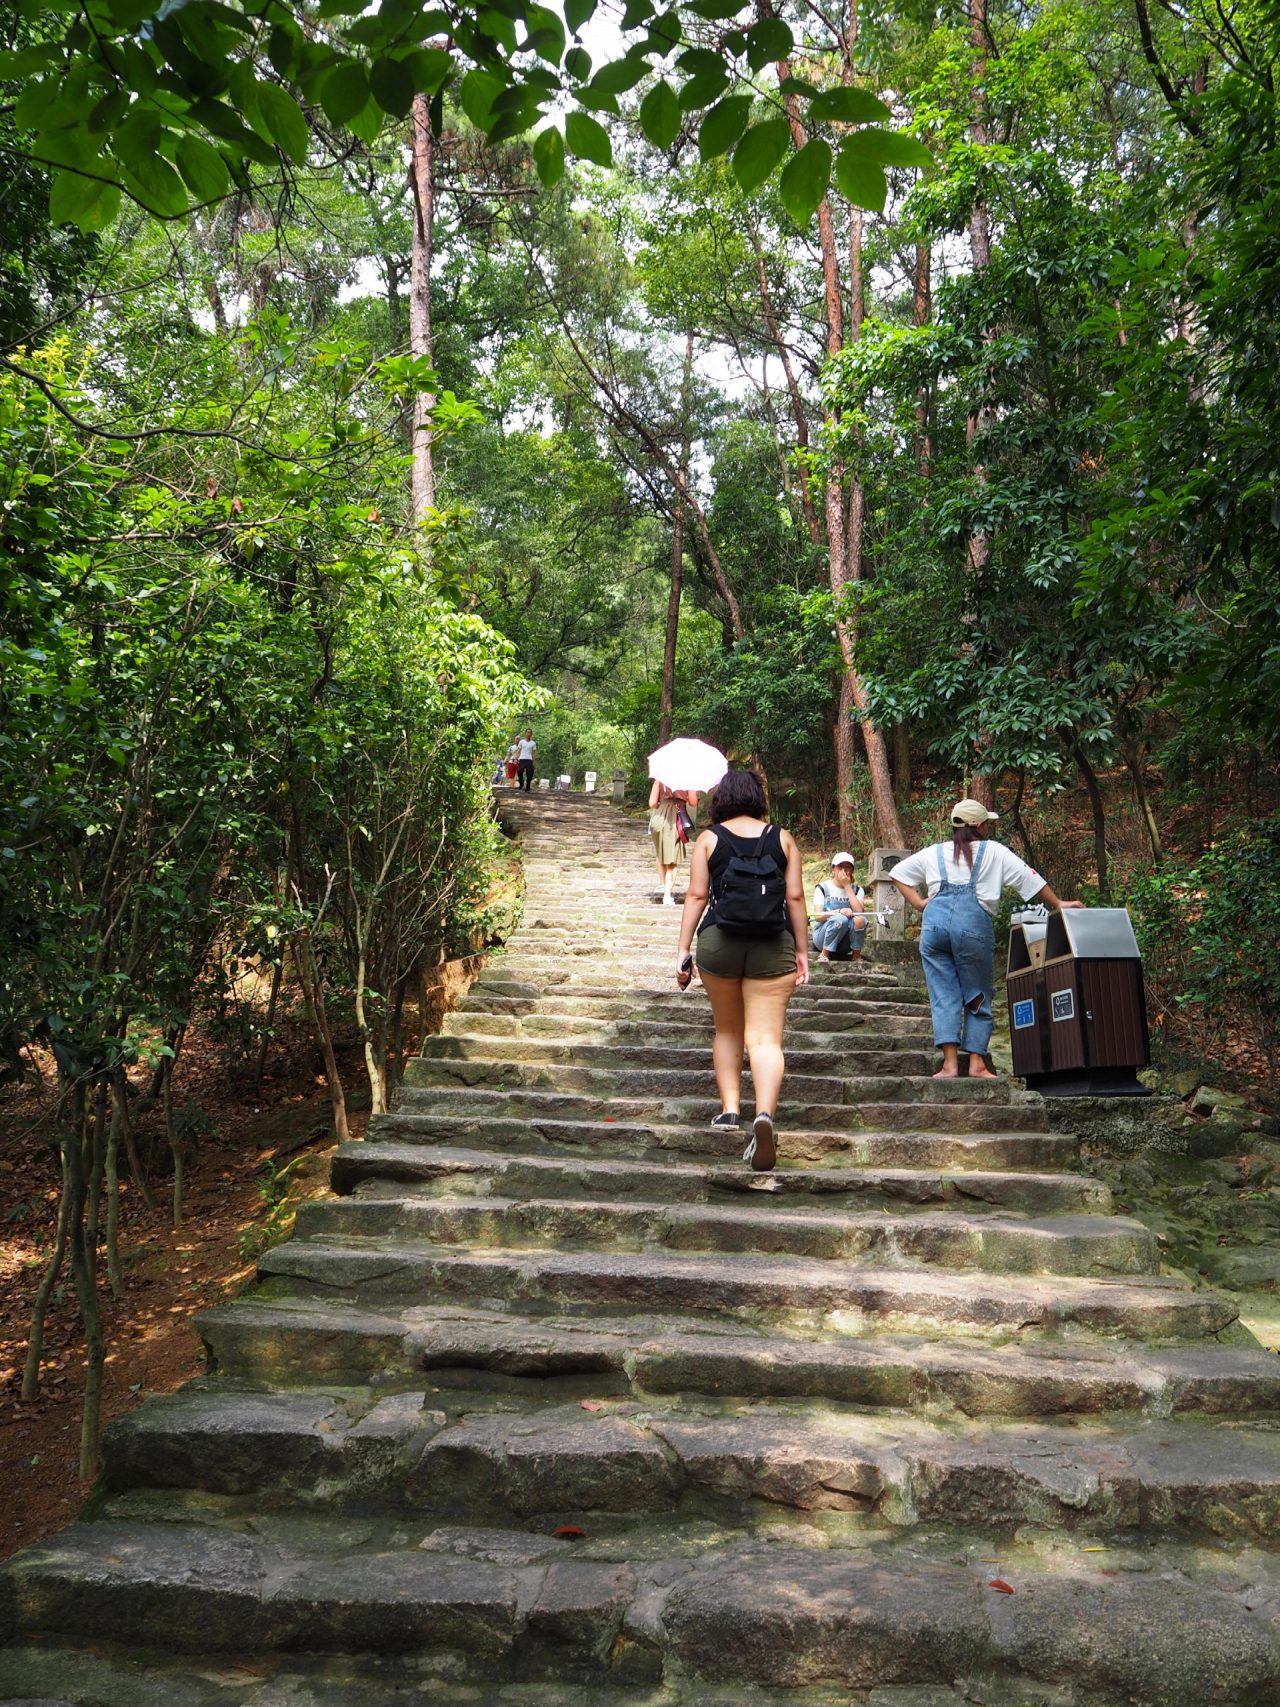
(668, 849)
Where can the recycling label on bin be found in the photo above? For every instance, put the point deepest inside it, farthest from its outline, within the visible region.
(1024, 1015)
(1063, 1004)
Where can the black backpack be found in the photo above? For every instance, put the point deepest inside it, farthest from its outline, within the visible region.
(750, 895)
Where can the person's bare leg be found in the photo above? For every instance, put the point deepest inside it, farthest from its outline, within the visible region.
(668, 882)
(950, 1068)
(725, 996)
(764, 1003)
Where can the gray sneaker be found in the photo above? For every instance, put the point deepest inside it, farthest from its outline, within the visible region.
(762, 1152)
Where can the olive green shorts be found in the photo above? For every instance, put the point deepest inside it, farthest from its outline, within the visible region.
(725, 954)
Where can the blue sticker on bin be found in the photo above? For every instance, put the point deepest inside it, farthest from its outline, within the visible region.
(1063, 1004)
(1024, 1014)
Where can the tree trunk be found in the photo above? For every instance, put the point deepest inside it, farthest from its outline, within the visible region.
(1099, 821)
(76, 1144)
(309, 982)
(672, 635)
(422, 186)
(116, 1128)
(1137, 770)
(901, 764)
(175, 1145)
(264, 1042)
(844, 543)
(48, 1280)
(798, 413)
(922, 314)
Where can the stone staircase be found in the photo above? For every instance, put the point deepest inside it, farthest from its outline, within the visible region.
(555, 1402)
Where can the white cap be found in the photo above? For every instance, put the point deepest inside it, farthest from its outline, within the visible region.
(844, 859)
(972, 812)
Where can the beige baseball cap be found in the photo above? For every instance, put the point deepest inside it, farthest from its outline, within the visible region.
(844, 859)
(972, 812)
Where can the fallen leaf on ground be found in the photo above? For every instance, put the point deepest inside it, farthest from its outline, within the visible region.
(1001, 1586)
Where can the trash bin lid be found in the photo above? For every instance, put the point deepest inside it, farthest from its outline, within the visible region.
(1092, 933)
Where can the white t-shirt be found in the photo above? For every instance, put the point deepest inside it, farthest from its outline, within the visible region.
(1001, 869)
(526, 749)
(846, 897)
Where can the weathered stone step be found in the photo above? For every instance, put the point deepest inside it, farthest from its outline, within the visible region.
(968, 1114)
(310, 1342)
(607, 1134)
(425, 1075)
(501, 1605)
(653, 981)
(848, 1297)
(803, 1057)
(695, 1031)
(389, 1168)
(996, 1241)
(456, 1455)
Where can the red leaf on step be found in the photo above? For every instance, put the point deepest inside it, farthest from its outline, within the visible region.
(591, 1405)
(609, 1120)
(1001, 1586)
(570, 1532)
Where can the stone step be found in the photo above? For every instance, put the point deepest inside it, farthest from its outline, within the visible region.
(313, 1342)
(996, 1241)
(851, 1297)
(503, 1605)
(649, 979)
(695, 1031)
(968, 1114)
(803, 1058)
(468, 1456)
(370, 1166)
(426, 1075)
(607, 1134)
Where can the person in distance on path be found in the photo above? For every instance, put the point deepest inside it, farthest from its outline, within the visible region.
(965, 878)
(526, 754)
(668, 849)
(746, 902)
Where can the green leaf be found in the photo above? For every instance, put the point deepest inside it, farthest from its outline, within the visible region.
(861, 180)
(497, 26)
(713, 9)
(344, 92)
(847, 106)
(577, 13)
(635, 13)
(797, 86)
(889, 148)
(546, 33)
(548, 156)
(86, 202)
(660, 115)
(283, 121)
(152, 181)
(804, 181)
(480, 89)
(587, 139)
(767, 41)
(577, 63)
(763, 147)
(430, 67)
(368, 122)
(723, 125)
(621, 75)
(203, 169)
(392, 84)
(701, 90)
(696, 59)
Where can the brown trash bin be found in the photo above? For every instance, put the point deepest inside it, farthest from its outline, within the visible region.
(1024, 985)
(1087, 1034)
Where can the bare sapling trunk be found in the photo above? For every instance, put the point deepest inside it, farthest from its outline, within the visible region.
(672, 633)
(268, 1023)
(1092, 787)
(922, 314)
(175, 1143)
(114, 1132)
(374, 1066)
(423, 190)
(1138, 771)
(48, 1280)
(77, 1146)
(312, 987)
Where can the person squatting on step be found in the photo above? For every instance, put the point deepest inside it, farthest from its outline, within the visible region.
(839, 921)
(965, 878)
(746, 901)
(664, 814)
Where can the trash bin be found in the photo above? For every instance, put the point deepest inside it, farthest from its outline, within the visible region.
(1086, 1031)
(1024, 985)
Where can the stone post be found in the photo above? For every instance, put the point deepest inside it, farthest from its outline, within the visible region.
(619, 787)
(884, 897)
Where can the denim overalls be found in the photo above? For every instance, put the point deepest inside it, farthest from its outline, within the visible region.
(958, 948)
